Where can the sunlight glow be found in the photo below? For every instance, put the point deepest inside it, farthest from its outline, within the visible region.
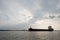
(43, 24)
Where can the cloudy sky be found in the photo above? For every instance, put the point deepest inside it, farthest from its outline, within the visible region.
(21, 14)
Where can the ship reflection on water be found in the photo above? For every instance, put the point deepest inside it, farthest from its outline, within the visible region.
(49, 29)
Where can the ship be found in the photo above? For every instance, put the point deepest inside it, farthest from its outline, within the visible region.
(49, 29)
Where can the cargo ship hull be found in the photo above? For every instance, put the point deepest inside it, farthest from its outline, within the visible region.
(49, 29)
(40, 30)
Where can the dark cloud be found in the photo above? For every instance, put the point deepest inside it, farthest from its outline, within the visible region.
(51, 17)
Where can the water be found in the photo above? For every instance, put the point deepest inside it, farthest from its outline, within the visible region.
(25, 35)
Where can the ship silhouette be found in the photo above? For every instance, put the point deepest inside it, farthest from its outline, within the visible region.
(49, 29)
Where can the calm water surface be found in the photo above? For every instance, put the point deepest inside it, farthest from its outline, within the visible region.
(25, 35)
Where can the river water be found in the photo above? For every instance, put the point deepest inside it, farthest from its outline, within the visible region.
(26, 35)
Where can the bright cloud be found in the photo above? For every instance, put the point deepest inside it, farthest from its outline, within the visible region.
(14, 15)
(45, 23)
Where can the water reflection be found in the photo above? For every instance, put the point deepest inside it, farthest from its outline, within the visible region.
(45, 35)
(26, 35)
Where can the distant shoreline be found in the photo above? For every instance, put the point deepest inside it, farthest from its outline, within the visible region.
(13, 30)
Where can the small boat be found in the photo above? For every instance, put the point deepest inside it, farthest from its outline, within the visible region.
(49, 29)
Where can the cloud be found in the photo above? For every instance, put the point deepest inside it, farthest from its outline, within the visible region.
(48, 16)
(51, 16)
(13, 13)
(44, 23)
(3, 17)
(58, 16)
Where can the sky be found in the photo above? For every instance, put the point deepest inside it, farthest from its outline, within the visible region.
(21, 14)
